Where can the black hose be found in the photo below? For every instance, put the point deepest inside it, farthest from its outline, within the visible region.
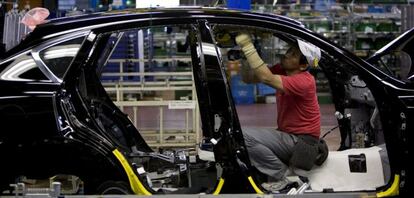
(328, 132)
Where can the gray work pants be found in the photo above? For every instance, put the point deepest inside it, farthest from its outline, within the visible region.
(269, 150)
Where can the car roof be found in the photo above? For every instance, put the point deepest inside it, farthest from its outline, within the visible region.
(67, 24)
(171, 12)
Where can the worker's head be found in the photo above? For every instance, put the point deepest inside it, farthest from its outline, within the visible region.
(293, 59)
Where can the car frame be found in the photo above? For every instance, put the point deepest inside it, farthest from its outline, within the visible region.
(58, 101)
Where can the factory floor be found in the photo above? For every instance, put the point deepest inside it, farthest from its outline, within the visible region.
(253, 115)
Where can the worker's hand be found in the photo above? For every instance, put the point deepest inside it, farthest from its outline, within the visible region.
(243, 39)
(254, 60)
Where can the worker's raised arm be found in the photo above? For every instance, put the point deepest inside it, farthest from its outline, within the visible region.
(247, 76)
(256, 63)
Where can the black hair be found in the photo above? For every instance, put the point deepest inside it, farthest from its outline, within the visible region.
(302, 59)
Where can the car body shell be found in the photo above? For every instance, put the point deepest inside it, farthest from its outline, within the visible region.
(34, 143)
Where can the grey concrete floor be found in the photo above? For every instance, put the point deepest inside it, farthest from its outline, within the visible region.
(254, 115)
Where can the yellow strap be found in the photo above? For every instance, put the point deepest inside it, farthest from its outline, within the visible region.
(136, 185)
(394, 190)
(219, 186)
(257, 189)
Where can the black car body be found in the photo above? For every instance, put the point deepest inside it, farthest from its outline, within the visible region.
(49, 115)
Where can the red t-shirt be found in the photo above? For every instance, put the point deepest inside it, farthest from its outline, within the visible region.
(297, 107)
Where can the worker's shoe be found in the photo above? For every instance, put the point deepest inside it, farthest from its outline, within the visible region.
(275, 186)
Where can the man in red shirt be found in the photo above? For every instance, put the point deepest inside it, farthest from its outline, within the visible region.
(298, 116)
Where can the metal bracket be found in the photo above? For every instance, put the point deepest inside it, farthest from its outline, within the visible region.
(179, 158)
(217, 122)
(356, 82)
(403, 120)
(20, 190)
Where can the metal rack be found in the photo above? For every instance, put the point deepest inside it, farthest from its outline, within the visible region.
(158, 138)
(13, 30)
(407, 17)
(341, 20)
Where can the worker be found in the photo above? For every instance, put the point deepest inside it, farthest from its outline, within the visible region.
(296, 140)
